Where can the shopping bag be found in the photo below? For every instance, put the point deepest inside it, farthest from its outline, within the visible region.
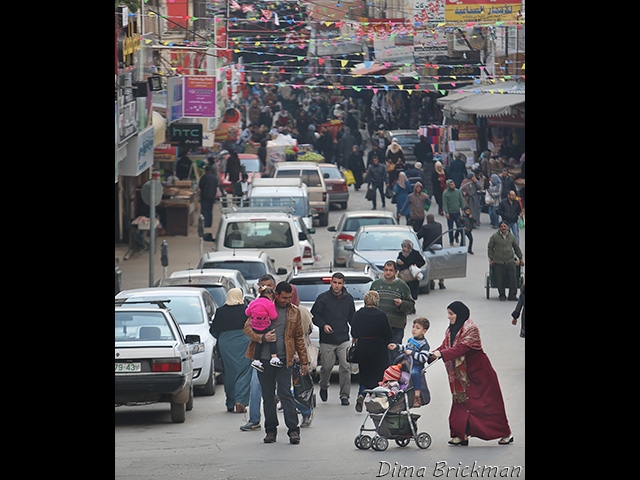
(520, 222)
(348, 176)
(371, 194)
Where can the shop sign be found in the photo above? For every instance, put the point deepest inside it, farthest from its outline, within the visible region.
(139, 154)
(174, 98)
(127, 107)
(482, 11)
(199, 96)
(186, 134)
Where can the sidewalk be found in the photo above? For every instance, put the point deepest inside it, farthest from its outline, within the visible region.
(184, 251)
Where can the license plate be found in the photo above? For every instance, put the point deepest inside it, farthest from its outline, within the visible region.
(128, 367)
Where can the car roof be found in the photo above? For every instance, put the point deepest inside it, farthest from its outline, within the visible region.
(333, 165)
(248, 216)
(369, 213)
(159, 291)
(399, 228)
(294, 165)
(209, 278)
(245, 255)
(326, 272)
(223, 272)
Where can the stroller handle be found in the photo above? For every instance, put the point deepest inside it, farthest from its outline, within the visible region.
(427, 365)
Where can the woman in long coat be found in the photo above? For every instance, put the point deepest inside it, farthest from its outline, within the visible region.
(227, 328)
(371, 330)
(470, 188)
(477, 409)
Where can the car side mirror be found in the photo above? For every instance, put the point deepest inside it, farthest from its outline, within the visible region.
(434, 247)
(302, 236)
(281, 271)
(311, 230)
(192, 338)
(208, 237)
(348, 246)
(332, 228)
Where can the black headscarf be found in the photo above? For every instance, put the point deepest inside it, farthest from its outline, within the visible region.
(462, 315)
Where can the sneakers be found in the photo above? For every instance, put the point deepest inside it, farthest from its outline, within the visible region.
(276, 362)
(324, 394)
(344, 401)
(294, 438)
(359, 403)
(257, 364)
(249, 426)
(306, 422)
(270, 438)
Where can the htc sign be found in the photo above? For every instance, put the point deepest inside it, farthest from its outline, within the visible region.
(186, 134)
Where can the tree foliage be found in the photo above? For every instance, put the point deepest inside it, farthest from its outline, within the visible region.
(133, 5)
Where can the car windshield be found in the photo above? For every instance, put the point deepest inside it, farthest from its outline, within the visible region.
(353, 224)
(250, 164)
(133, 326)
(375, 241)
(248, 270)
(310, 177)
(333, 172)
(257, 234)
(309, 288)
(186, 309)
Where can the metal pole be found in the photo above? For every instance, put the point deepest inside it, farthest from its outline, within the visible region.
(152, 229)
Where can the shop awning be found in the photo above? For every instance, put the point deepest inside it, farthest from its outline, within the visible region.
(372, 69)
(486, 104)
(484, 101)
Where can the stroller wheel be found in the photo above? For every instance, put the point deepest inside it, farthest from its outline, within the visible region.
(379, 443)
(423, 440)
(363, 442)
(403, 442)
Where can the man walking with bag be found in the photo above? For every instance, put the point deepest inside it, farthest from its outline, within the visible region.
(377, 177)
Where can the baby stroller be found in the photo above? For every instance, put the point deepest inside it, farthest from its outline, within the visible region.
(390, 414)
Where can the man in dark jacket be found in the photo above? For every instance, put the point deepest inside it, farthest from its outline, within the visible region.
(377, 177)
(510, 211)
(208, 185)
(332, 313)
(428, 233)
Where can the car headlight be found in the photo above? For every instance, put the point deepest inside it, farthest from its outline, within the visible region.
(197, 348)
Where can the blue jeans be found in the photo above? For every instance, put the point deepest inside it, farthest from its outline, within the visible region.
(255, 398)
(515, 230)
(494, 219)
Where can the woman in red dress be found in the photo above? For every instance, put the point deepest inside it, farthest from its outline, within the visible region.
(477, 409)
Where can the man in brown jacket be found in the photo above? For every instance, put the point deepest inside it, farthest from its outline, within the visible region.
(288, 334)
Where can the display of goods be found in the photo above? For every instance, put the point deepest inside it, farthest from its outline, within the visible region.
(311, 157)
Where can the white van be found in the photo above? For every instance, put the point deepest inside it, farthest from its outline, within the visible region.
(255, 228)
(282, 192)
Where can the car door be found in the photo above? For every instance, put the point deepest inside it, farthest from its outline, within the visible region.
(449, 262)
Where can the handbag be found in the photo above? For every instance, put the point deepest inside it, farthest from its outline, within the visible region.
(352, 353)
(406, 275)
(520, 222)
(389, 193)
(370, 195)
(488, 199)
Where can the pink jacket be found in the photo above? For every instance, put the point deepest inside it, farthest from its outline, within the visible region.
(262, 311)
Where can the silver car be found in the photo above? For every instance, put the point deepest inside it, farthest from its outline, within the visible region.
(348, 226)
(194, 308)
(375, 244)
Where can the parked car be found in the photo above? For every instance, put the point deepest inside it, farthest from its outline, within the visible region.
(218, 282)
(288, 193)
(375, 244)
(348, 226)
(153, 358)
(312, 282)
(336, 184)
(252, 264)
(407, 139)
(311, 175)
(252, 228)
(251, 164)
(308, 245)
(194, 309)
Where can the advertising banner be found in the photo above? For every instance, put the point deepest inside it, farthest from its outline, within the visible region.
(199, 96)
(482, 10)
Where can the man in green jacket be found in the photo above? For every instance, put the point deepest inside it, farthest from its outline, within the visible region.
(502, 249)
(395, 300)
(452, 204)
